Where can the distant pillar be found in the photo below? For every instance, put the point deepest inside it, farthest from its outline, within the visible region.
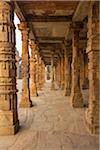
(67, 73)
(52, 73)
(37, 67)
(62, 72)
(76, 95)
(33, 87)
(25, 99)
(59, 72)
(9, 123)
(40, 72)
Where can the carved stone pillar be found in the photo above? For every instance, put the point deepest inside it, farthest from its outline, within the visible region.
(56, 72)
(52, 73)
(62, 72)
(40, 73)
(9, 123)
(93, 49)
(67, 73)
(59, 72)
(56, 77)
(25, 99)
(37, 67)
(76, 95)
(33, 87)
(43, 73)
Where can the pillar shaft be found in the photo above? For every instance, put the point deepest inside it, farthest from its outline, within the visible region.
(92, 113)
(76, 95)
(40, 73)
(59, 73)
(33, 87)
(62, 72)
(43, 73)
(9, 123)
(67, 74)
(52, 73)
(25, 99)
(37, 67)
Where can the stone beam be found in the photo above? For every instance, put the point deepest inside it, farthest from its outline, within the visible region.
(31, 18)
(19, 12)
(81, 11)
(50, 38)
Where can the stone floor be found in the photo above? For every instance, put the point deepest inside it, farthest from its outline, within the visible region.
(52, 124)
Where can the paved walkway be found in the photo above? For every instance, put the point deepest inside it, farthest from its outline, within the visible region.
(52, 124)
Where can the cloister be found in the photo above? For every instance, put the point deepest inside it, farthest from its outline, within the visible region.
(64, 37)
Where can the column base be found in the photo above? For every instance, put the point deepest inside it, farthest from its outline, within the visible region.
(34, 95)
(93, 128)
(25, 103)
(39, 87)
(77, 100)
(67, 92)
(7, 126)
(62, 86)
(53, 86)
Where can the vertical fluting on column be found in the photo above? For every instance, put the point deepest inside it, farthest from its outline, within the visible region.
(52, 72)
(67, 73)
(33, 87)
(25, 99)
(9, 123)
(93, 49)
(76, 95)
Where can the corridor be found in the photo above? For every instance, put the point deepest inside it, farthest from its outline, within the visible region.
(51, 124)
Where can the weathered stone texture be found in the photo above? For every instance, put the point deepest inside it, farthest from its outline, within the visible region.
(25, 100)
(67, 73)
(76, 95)
(52, 72)
(9, 123)
(62, 72)
(92, 113)
(33, 87)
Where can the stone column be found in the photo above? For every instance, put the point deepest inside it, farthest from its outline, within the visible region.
(9, 123)
(43, 73)
(25, 99)
(37, 67)
(40, 70)
(33, 87)
(93, 49)
(62, 72)
(59, 72)
(76, 95)
(52, 73)
(67, 73)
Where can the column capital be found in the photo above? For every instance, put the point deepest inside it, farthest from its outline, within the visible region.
(5, 5)
(23, 26)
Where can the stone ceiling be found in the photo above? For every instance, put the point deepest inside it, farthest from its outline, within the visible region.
(49, 22)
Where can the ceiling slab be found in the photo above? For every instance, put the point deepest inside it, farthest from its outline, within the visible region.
(49, 21)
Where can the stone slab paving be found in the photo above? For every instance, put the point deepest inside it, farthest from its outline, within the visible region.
(52, 124)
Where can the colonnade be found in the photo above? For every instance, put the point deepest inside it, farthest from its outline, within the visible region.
(66, 72)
